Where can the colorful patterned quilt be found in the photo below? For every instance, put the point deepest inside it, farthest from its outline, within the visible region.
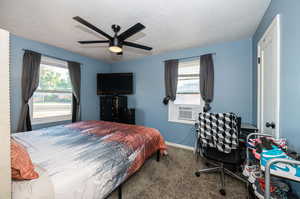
(90, 159)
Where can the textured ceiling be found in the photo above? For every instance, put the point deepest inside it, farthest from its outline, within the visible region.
(170, 24)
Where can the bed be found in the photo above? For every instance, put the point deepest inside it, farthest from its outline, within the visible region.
(87, 159)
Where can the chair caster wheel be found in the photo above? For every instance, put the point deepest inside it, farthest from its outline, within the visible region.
(222, 192)
(197, 174)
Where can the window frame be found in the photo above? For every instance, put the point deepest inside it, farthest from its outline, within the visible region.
(52, 119)
(173, 108)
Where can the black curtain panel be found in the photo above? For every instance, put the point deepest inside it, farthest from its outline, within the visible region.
(75, 76)
(30, 82)
(171, 79)
(207, 80)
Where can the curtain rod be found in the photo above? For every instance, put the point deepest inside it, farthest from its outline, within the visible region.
(49, 56)
(192, 57)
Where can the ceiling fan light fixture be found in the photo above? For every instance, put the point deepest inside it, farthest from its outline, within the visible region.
(115, 49)
(117, 41)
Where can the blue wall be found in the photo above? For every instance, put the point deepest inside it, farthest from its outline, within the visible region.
(89, 68)
(290, 69)
(233, 87)
(233, 76)
(290, 66)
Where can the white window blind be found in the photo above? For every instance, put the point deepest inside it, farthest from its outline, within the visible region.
(188, 91)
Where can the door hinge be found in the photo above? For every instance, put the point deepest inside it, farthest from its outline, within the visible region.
(258, 60)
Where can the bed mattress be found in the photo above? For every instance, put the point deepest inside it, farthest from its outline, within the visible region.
(40, 188)
(89, 159)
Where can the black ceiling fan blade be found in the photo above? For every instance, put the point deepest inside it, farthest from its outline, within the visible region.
(131, 31)
(120, 53)
(84, 22)
(127, 43)
(94, 42)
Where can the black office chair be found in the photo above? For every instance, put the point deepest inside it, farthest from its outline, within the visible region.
(218, 144)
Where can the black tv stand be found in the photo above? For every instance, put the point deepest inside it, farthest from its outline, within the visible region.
(114, 108)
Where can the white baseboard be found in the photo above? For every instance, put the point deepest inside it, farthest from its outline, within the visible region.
(180, 146)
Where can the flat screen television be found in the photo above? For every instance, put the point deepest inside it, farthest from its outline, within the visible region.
(114, 83)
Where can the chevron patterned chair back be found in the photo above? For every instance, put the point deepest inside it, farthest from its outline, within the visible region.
(219, 130)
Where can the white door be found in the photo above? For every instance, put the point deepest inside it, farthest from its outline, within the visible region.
(268, 79)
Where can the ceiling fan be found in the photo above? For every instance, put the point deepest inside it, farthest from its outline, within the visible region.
(116, 42)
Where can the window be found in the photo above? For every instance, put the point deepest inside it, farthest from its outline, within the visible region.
(188, 101)
(52, 101)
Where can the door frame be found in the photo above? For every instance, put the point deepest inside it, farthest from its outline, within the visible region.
(5, 127)
(276, 23)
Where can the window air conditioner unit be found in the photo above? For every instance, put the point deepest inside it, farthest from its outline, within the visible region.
(187, 113)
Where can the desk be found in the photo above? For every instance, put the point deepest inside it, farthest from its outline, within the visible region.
(246, 129)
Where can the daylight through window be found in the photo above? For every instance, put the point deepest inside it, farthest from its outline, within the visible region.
(188, 91)
(52, 101)
(188, 103)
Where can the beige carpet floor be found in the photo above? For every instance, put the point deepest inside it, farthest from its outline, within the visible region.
(173, 178)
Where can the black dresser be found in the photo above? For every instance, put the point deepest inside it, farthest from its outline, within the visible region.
(114, 109)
